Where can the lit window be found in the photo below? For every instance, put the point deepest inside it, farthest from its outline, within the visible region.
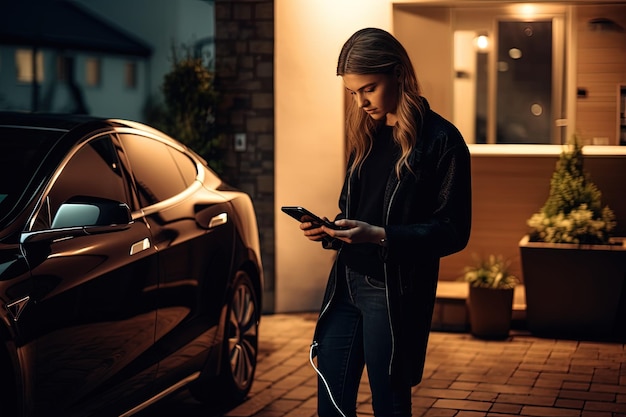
(24, 65)
(130, 75)
(92, 72)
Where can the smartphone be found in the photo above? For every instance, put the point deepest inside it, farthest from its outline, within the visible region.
(303, 215)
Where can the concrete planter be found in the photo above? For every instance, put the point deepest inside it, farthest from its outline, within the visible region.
(575, 291)
(490, 312)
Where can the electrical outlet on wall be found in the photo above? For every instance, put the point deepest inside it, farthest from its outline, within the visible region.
(240, 142)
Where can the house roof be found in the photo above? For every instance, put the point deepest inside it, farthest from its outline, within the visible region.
(63, 24)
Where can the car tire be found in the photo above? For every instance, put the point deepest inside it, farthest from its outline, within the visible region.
(239, 348)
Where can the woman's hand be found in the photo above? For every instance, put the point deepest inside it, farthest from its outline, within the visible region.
(313, 231)
(355, 231)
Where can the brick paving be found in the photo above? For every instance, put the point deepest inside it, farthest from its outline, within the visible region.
(464, 377)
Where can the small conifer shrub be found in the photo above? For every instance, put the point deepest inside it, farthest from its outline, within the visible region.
(573, 212)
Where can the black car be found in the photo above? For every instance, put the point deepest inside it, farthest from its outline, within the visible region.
(128, 269)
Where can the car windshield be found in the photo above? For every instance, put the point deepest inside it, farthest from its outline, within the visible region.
(21, 152)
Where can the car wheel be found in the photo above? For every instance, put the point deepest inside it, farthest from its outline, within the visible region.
(239, 348)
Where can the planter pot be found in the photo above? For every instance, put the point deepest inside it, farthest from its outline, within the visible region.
(490, 312)
(575, 291)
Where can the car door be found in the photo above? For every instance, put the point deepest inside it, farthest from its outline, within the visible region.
(91, 313)
(193, 230)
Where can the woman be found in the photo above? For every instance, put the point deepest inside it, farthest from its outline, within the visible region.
(405, 203)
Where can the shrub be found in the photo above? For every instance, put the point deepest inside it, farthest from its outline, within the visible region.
(490, 272)
(573, 212)
(190, 101)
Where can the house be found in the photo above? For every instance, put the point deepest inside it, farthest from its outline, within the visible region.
(89, 57)
(511, 181)
(275, 60)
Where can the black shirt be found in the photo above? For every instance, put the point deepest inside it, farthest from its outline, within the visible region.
(371, 184)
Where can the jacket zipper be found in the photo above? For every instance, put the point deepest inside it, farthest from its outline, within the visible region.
(332, 295)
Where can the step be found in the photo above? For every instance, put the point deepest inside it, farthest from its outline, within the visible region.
(450, 312)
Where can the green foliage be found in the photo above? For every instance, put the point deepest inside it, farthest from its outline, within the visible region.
(190, 102)
(490, 272)
(573, 212)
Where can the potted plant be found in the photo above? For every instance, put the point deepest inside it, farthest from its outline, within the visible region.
(573, 274)
(490, 300)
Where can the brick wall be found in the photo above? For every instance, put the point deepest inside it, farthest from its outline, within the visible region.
(244, 42)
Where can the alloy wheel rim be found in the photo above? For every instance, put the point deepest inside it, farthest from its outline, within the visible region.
(243, 336)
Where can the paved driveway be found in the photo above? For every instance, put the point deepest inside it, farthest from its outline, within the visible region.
(464, 377)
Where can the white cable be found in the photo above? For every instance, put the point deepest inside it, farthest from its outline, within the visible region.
(313, 345)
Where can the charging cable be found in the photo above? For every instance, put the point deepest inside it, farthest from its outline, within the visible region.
(332, 399)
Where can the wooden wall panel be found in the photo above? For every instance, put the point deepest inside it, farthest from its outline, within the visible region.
(507, 190)
(600, 69)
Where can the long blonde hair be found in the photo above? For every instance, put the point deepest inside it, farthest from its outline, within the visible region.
(375, 51)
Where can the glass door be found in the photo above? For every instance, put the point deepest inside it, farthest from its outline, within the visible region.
(524, 82)
(509, 77)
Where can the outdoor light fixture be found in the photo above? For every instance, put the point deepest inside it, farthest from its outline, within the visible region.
(482, 43)
(603, 24)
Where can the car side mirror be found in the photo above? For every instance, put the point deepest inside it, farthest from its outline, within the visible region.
(83, 216)
(89, 211)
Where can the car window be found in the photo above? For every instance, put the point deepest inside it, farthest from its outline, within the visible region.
(93, 171)
(157, 176)
(185, 164)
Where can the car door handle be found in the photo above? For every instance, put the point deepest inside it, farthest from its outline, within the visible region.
(218, 220)
(15, 308)
(140, 246)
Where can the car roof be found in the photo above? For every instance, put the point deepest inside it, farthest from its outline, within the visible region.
(74, 122)
(45, 120)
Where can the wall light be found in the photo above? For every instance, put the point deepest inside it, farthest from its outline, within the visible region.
(528, 10)
(482, 43)
(603, 24)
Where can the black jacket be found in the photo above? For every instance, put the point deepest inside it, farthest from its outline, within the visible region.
(427, 216)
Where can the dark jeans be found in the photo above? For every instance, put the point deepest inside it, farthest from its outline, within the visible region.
(355, 333)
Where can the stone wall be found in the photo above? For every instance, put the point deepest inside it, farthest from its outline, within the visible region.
(244, 42)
